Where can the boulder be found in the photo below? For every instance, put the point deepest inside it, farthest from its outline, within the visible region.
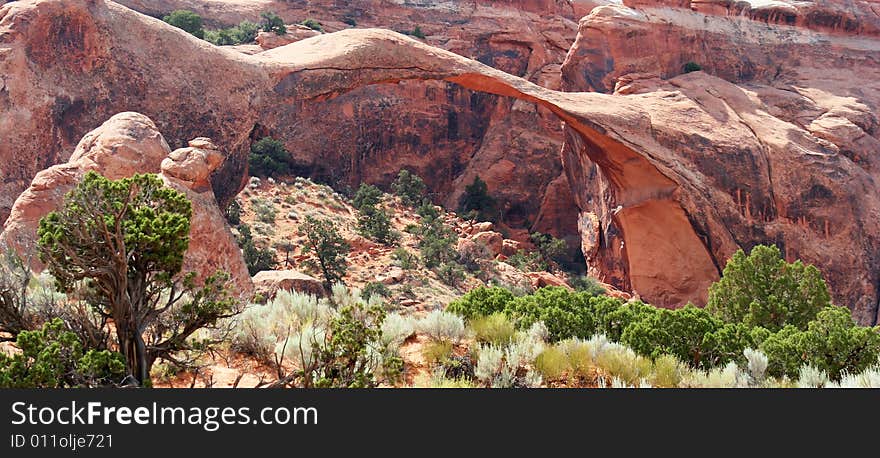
(494, 241)
(393, 276)
(268, 282)
(543, 279)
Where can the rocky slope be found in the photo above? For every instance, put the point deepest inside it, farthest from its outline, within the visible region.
(670, 176)
(275, 210)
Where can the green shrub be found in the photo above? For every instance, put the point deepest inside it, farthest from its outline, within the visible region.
(405, 259)
(417, 32)
(832, 343)
(244, 32)
(269, 158)
(257, 259)
(375, 289)
(565, 313)
(53, 357)
(313, 24)
(585, 284)
(692, 334)
(528, 262)
(328, 247)
(436, 242)
(367, 195)
(450, 273)
(554, 252)
(623, 363)
(668, 372)
(481, 301)
(552, 363)
(691, 67)
(477, 203)
(187, 21)
(437, 351)
(272, 22)
(374, 223)
(494, 329)
(761, 289)
(349, 21)
(264, 210)
(409, 187)
(613, 315)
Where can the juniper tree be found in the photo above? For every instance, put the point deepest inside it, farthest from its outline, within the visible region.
(121, 244)
(328, 247)
(762, 289)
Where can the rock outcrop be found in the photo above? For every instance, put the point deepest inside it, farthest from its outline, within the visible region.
(269, 282)
(671, 174)
(129, 143)
(775, 141)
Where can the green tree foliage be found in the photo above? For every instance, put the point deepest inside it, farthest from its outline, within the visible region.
(692, 334)
(366, 195)
(417, 32)
(187, 21)
(313, 24)
(832, 342)
(436, 242)
(269, 158)
(15, 313)
(272, 22)
(375, 289)
(409, 187)
(761, 289)
(122, 244)
(450, 273)
(374, 223)
(257, 259)
(565, 313)
(691, 67)
(554, 252)
(481, 301)
(328, 247)
(53, 357)
(477, 203)
(586, 284)
(244, 32)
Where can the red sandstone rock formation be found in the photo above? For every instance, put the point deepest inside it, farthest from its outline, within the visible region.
(670, 176)
(370, 133)
(126, 144)
(775, 142)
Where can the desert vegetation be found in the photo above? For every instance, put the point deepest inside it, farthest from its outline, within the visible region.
(768, 322)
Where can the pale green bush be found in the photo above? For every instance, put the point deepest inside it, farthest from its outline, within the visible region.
(442, 326)
(812, 377)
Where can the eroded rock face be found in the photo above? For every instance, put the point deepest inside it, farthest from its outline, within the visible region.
(126, 144)
(775, 142)
(370, 133)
